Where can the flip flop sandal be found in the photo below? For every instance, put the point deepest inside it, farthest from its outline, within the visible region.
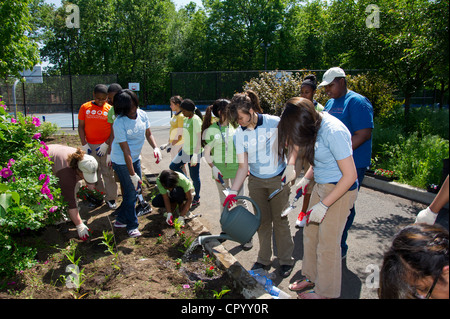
(307, 284)
(302, 295)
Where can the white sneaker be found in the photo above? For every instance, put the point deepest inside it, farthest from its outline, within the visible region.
(134, 233)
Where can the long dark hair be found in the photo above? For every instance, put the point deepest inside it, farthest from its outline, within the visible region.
(299, 125)
(189, 105)
(219, 109)
(243, 102)
(417, 251)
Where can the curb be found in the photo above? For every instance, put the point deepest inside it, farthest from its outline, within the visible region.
(401, 190)
(248, 285)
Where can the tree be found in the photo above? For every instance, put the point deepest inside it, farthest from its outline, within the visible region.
(18, 52)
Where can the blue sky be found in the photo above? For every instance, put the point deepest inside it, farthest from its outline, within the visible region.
(178, 3)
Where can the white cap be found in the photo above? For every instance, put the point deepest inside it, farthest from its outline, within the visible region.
(88, 165)
(330, 75)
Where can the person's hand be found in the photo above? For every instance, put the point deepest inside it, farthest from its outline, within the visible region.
(167, 147)
(101, 150)
(169, 219)
(230, 200)
(426, 216)
(216, 172)
(317, 213)
(108, 160)
(157, 154)
(289, 174)
(194, 159)
(83, 231)
(136, 180)
(302, 185)
(86, 148)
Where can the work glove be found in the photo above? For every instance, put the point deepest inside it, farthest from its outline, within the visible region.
(317, 213)
(101, 150)
(230, 200)
(86, 148)
(83, 231)
(157, 154)
(136, 180)
(289, 174)
(216, 172)
(167, 147)
(426, 216)
(108, 160)
(302, 185)
(194, 159)
(169, 219)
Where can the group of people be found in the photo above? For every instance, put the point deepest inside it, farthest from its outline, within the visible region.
(331, 144)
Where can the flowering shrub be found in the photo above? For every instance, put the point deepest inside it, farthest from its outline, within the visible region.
(386, 173)
(30, 197)
(92, 195)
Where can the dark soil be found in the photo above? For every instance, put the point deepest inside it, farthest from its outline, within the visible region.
(149, 266)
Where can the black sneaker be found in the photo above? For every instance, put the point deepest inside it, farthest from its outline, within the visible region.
(285, 270)
(258, 265)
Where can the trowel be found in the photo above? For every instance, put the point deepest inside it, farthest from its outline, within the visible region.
(277, 191)
(292, 205)
(226, 190)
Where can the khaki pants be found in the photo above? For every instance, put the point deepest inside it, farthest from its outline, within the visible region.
(228, 183)
(322, 262)
(106, 182)
(271, 220)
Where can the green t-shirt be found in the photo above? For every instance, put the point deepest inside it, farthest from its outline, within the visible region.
(223, 151)
(192, 129)
(183, 182)
(111, 115)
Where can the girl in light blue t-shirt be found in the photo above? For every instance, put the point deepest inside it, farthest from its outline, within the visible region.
(256, 149)
(131, 129)
(326, 144)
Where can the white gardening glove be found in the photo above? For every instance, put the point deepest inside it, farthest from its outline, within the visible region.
(83, 231)
(194, 159)
(86, 148)
(426, 216)
(317, 213)
(181, 221)
(101, 150)
(303, 185)
(136, 180)
(216, 172)
(157, 154)
(108, 160)
(289, 174)
(169, 219)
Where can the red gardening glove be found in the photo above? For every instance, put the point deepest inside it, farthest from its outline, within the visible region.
(230, 200)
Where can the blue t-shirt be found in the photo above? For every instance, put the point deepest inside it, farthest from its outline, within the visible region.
(261, 146)
(333, 143)
(356, 112)
(131, 131)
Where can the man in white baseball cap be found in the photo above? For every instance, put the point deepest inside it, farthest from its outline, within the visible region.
(356, 112)
(330, 75)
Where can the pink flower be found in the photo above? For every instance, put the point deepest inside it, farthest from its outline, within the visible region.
(13, 120)
(36, 121)
(11, 162)
(5, 172)
(44, 152)
(45, 145)
(37, 136)
(53, 209)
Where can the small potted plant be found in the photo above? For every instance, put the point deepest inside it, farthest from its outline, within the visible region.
(93, 196)
(385, 174)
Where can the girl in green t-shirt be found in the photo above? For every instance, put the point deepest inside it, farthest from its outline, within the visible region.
(191, 151)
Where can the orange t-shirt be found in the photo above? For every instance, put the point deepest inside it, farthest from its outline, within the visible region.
(97, 128)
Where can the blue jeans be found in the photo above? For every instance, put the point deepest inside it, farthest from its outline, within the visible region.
(127, 210)
(344, 247)
(194, 171)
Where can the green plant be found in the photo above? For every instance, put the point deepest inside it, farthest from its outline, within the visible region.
(219, 295)
(210, 271)
(77, 277)
(110, 242)
(178, 263)
(159, 240)
(92, 195)
(385, 173)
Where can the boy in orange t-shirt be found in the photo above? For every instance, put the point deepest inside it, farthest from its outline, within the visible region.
(95, 135)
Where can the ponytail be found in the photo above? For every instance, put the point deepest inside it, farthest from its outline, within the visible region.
(243, 102)
(207, 121)
(256, 106)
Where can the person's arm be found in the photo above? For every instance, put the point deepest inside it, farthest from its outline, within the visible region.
(187, 203)
(150, 138)
(441, 198)
(167, 203)
(360, 136)
(128, 159)
(81, 132)
(241, 173)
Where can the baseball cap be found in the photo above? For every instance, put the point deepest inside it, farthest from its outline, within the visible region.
(88, 165)
(330, 75)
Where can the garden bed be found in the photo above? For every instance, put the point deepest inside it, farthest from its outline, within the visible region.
(150, 266)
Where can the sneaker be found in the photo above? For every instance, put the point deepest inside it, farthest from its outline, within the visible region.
(258, 265)
(285, 270)
(118, 224)
(134, 233)
(111, 204)
(195, 202)
(248, 245)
